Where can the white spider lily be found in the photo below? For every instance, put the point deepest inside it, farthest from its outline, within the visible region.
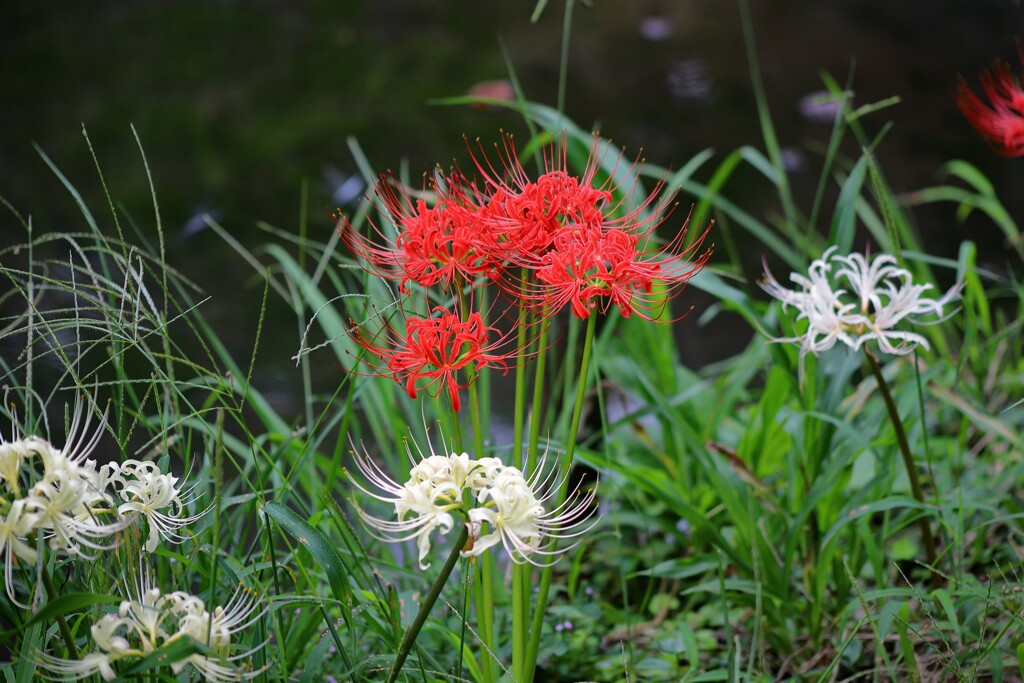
(516, 517)
(52, 491)
(433, 491)
(78, 506)
(879, 296)
(149, 619)
(148, 492)
(497, 502)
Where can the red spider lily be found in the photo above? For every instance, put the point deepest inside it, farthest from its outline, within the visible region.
(444, 244)
(593, 268)
(1001, 121)
(526, 215)
(583, 248)
(433, 350)
(528, 220)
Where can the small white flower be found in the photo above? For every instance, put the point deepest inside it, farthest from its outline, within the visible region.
(149, 619)
(424, 503)
(510, 509)
(148, 492)
(878, 296)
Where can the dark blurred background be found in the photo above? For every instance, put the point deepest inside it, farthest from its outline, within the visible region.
(238, 103)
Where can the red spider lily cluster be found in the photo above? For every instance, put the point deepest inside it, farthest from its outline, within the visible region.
(1001, 121)
(559, 241)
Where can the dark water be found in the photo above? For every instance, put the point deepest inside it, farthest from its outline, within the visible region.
(238, 103)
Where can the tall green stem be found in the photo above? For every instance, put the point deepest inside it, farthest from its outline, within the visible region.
(521, 573)
(908, 459)
(538, 394)
(485, 586)
(428, 604)
(563, 489)
(520, 399)
(520, 584)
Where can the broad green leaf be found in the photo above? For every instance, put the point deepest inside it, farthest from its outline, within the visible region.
(319, 547)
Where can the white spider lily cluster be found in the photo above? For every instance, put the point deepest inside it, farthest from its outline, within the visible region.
(73, 503)
(149, 619)
(147, 492)
(878, 296)
(497, 502)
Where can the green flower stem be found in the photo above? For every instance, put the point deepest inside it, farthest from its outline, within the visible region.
(484, 374)
(521, 573)
(520, 619)
(456, 431)
(520, 585)
(428, 604)
(520, 398)
(908, 459)
(566, 463)
(538, 393)
(485, 602)
(62, 624)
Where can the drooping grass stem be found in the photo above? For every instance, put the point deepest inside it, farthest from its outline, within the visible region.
(428, 604)
(908, 460)
(563, 489)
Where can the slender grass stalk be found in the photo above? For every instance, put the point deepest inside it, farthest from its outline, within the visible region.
(563, 489)
(908, 462)
(428, 603)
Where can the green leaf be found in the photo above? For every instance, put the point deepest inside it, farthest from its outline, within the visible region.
(844, 220)
(941, 595)
(319, 547)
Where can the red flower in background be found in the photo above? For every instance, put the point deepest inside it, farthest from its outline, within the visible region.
(433, 350)
(1001, 121)
(444, 244)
